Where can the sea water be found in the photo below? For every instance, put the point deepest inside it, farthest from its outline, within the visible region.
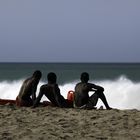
(121, 81)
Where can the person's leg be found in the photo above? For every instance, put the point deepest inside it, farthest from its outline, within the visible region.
(93, 99)
(103, 98)
(27, 102)
(51, 98)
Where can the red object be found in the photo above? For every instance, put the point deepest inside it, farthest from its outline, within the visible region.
(20, 104)
(6, 101)
(70, 95)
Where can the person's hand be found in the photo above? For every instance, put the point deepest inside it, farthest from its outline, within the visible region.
(101, 89)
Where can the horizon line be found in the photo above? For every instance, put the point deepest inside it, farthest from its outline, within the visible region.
(69, 62)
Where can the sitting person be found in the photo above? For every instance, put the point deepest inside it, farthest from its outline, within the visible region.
(28, 89)
(52, 92)
(81, 96)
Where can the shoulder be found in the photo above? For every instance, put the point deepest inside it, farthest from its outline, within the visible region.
(90, 84)
(44, 86)
(29, 80)
(83, 84)
(26, 82)
(78, 84)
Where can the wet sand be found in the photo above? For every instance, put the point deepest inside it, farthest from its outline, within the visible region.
(45, 123)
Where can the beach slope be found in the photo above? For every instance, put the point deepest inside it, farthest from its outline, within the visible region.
(44, 123)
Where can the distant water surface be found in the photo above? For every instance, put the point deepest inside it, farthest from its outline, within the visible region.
(68, 72)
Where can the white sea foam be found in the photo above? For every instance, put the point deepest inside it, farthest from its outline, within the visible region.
(121, 93)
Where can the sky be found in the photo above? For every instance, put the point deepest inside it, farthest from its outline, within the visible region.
(70, 31)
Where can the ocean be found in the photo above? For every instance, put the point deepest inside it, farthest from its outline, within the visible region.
(121, 81)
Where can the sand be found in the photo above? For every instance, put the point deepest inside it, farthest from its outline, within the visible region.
(46, 123)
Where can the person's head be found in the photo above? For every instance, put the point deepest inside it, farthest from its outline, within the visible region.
(84, 77)
(37, 74)
(52, 77)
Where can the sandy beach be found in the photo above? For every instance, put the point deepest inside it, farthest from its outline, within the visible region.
(44, 123)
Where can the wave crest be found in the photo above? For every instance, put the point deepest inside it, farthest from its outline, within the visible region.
(121, 93)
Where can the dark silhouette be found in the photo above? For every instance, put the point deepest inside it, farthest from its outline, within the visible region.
(27, 94)
(81, 96)
(52, 92)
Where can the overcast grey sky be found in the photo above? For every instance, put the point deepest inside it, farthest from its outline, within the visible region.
(70, 30)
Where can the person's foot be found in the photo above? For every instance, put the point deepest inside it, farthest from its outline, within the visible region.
(88, 106)
(109, 108)
(101, 107)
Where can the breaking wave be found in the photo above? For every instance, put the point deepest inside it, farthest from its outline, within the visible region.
(121, 93)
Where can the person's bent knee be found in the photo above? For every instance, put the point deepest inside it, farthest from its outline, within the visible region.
(99, 93)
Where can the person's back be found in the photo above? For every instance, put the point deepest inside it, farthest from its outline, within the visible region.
(52, 92)
(81, 94)
(28, 89)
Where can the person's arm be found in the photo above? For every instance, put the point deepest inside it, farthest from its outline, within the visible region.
(36, 102)
(94, 87)
(58, 97)
(34, 95)
(33, 90)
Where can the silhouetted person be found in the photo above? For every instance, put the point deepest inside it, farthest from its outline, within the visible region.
(27, 94)
(81, 95)
(52, 92)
